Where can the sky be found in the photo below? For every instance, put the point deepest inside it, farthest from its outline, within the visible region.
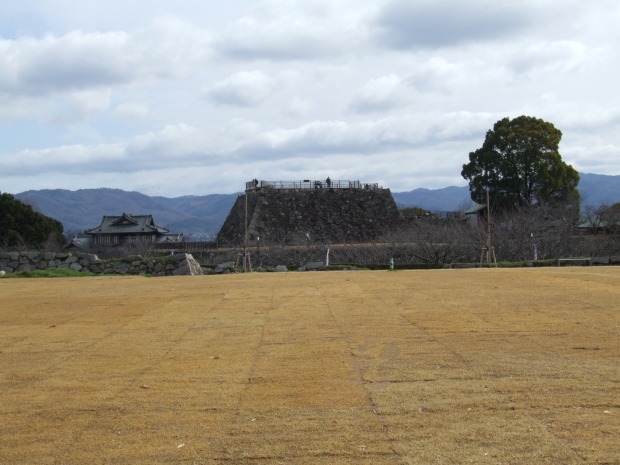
(198, 97)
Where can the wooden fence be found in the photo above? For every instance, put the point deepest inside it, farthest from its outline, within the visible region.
(202, 246)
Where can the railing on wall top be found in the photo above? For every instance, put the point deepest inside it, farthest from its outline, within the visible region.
(308, 184)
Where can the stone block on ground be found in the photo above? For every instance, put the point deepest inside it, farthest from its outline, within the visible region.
(84, 262)
(41, 265)
(206, 270)
(184, 270)
(281, 268)
(302, 268)
(13, 264)
(49, 256)
(314, 265)
(76, 266)
(7, 269)
(71, 260)
(158, 267)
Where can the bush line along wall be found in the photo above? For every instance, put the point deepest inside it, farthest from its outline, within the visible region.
(173, 265)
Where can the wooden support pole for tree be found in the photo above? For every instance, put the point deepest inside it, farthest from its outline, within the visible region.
(488, 249)
(488, 229)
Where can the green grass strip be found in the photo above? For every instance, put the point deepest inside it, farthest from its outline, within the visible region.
(55, 273)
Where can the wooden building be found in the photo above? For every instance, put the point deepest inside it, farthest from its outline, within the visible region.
(125, 229)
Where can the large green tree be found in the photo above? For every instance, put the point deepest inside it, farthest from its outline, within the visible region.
(20, 224)
(521, 165)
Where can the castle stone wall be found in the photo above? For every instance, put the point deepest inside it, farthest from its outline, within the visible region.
(328, 215)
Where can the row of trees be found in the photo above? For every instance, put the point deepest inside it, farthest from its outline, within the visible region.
(428, 240)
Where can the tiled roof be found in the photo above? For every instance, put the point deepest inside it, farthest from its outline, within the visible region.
(127, 224)
(171, 237)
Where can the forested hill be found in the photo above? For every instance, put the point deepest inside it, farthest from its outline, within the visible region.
(201, 215)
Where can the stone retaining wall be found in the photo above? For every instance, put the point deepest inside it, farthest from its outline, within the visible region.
(332, 215)
(174, 265)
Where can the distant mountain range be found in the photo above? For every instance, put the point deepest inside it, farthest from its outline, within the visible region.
(204, 215)
(595, 189)
(201, 216)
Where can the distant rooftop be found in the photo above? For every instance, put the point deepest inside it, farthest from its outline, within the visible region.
(308, 184)
(127, 224)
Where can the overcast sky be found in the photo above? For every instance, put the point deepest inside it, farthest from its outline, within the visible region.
(197, 97)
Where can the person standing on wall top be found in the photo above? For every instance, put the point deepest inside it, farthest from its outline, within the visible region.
(328, 182)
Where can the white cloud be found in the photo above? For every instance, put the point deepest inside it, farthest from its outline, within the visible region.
(384, 93)
(437, 74)
(390, 90)
(131, 110)
(243, 89)
(402, 24)
(78, 106)
(560, 57)
(242, 141)
(168, 49)
(298, 107)
(295, 30)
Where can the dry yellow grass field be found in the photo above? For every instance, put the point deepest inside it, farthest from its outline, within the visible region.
(414, 367)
